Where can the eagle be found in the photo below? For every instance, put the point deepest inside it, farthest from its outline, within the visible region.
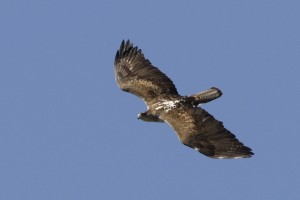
(194, 126)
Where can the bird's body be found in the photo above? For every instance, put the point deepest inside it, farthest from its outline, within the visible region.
(194, 126)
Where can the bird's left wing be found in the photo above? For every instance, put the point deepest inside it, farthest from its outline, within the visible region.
(199, 130)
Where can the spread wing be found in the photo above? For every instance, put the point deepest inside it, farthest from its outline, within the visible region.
(137, 75)
(199, 130)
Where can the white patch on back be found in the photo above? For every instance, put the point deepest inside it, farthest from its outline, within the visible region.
(167, 105)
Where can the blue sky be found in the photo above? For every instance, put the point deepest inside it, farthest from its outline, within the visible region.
(68, 132)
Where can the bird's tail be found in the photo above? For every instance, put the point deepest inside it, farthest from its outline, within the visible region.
(207, 95)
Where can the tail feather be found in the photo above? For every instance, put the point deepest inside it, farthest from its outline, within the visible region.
(207, 95)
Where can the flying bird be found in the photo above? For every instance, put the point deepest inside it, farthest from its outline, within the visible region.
(194, 126)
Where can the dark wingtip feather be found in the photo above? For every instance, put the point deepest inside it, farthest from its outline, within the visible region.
(243, 152)
(125, 49)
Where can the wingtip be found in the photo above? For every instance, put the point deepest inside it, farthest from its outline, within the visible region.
(126, 44)
(233, 156)
(245, 152)
(126, 48)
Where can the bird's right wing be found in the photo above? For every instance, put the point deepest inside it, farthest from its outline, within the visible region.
(137, 75)
(199, 130)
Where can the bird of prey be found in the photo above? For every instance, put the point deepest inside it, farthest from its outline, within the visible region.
(194, 126)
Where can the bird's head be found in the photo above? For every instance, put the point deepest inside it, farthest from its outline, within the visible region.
(148, 118)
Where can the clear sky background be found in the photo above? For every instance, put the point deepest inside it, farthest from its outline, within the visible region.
(68, 132)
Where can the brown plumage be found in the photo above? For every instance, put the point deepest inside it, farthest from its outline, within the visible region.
(194, 126)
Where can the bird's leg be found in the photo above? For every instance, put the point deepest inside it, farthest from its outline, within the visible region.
(207, 95)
